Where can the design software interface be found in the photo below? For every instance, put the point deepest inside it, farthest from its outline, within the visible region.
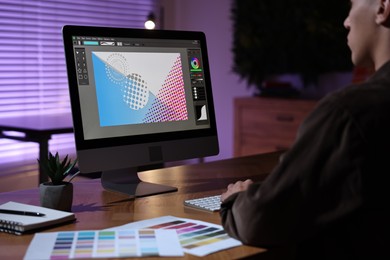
(139, 85)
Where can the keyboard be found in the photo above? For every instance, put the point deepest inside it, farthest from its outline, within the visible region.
(211, 203)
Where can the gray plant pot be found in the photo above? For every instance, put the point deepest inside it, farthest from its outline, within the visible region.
(56, 196)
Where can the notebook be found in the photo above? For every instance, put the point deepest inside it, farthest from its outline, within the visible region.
(18, 224)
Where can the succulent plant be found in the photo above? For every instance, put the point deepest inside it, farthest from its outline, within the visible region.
(57, 170)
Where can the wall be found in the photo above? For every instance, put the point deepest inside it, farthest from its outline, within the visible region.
(213, 18)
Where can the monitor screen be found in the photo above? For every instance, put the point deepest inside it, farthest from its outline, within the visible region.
(138, 97)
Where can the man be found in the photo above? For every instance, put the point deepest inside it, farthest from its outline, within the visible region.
(329, 197)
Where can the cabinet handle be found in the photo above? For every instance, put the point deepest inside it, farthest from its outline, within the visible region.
(285, 118)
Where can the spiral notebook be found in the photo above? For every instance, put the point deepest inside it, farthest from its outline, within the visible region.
(19, 224)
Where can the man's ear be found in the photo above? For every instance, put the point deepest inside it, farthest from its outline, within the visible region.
(383, 14)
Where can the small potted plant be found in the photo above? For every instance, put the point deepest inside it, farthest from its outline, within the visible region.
(57, 193)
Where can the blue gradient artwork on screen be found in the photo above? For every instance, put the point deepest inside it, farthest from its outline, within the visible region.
(137, 88)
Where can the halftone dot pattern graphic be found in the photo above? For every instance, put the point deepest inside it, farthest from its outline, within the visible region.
(116, 69)
(151, 91)
(170, 104)
(135, 93)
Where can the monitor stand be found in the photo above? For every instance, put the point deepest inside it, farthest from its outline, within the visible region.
(127, 181)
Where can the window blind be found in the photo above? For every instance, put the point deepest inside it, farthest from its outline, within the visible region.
(33, 76)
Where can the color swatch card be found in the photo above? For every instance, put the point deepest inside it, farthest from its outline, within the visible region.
(104, 243)
(196, 237)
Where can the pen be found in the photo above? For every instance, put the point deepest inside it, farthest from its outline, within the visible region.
(25, 213)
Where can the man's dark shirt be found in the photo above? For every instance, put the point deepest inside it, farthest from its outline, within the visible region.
(329, 196)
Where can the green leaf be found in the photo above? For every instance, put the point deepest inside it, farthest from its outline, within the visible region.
(55, 168)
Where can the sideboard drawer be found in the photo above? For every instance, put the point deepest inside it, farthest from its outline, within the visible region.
(267, 124)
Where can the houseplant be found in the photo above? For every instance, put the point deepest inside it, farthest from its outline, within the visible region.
(57, 193)
(289, 37)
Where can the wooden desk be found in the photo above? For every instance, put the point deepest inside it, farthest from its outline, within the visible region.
(37, 129)
(96, 208)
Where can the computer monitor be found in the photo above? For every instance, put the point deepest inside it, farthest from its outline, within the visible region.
(138, 97)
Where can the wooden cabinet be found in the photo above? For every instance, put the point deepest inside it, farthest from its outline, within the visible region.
(267, 124)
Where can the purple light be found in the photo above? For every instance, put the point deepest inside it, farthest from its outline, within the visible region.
(33, 77)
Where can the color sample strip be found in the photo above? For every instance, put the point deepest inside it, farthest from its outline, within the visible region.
(202, 237)
(181, 226)
(62, 246)
(167, 224)
(105, 244)
(207, 242)
(84, 244)
(148, 243)
(127, 244)
(196, 233)
(190, 229)
(193, 235)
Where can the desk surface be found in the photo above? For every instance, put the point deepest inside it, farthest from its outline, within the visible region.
(96, 208)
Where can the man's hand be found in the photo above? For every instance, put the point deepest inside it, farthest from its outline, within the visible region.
(236, 187)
